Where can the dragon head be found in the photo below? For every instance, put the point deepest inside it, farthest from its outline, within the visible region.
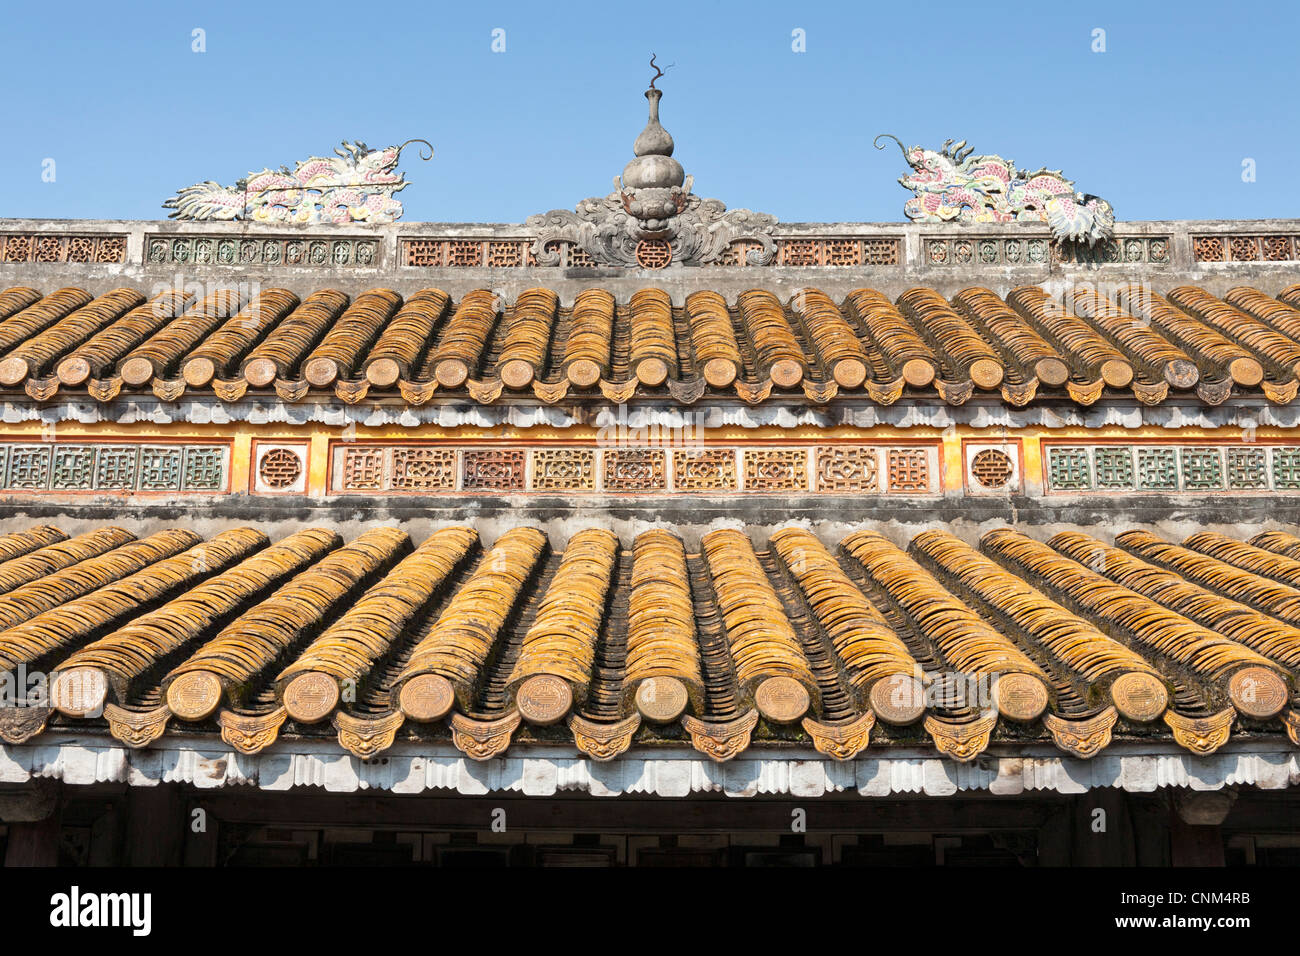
(931, 168)
(378, 165)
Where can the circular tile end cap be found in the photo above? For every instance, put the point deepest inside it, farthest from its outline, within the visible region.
(1020, 696)
(79, 692)
(260, 372)
(1246, 372)
(382, 372)
(12, 371)
(1138, 696)
(849, 373)
(311, 697)
(1052, 371)
(544, 699)
(137, 371)
(426, 697)
(898, 699)
(918, 373)
(73, 371)
(321, 371)
(1182, 374)
(451, 373)
(198, 372)
(517, 373)
(661, 699)
(1116, 374)
(195, 695)
(986, 373)
(652, 371)
(584, 373)
(1257, 692)
(786, 373)
(782, 700)
(719, 372)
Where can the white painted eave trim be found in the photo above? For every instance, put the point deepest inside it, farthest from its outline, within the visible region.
(411, 767)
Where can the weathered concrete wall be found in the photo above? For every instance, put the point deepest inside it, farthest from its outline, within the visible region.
(915, 267)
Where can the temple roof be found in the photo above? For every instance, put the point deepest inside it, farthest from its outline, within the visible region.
(1024, 638)
(1031, 343)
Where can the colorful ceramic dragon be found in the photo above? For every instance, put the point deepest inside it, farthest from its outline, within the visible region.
(356, 185)
(951, 184)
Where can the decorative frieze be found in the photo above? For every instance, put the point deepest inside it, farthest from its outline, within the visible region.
(1041, 251)
(62, 248)
(99, 467)
(988, 251)
(776, 469)
(910, 470)
(263, 250)
(634, 469)
(1230, 248)
(846, 468)
(433, 253)
(495, 469)
(360, 468)
(707, 469)
(422, 469)
(1171, 469)
(564, 469)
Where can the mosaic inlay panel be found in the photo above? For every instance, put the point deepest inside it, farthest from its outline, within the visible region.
(837, 469)
(1183, 469)
(88, 467)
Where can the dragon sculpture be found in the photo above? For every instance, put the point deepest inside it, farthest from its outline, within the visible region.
(356, 185)
(951, 184)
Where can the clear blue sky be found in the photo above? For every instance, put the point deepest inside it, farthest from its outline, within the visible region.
(1158, 124)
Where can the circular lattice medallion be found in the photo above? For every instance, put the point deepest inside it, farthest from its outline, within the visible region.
(653, 253)
(280, 468)
(992, 468)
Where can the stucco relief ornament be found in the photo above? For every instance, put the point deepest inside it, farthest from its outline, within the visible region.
(355, 185)
(952, 185)
(652, 218)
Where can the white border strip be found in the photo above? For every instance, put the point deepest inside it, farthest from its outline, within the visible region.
(665, 772)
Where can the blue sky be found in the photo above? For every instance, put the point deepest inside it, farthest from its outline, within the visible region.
(1159, 124)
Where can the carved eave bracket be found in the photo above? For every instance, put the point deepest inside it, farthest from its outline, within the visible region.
(1082, 738)
(721, 740)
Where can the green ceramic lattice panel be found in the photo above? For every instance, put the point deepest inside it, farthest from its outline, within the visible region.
(205, 469)
(72, 468)
(29, 467)
(1068, 469)
(1247, 468)
(160, 468)
(1157, 469)
(1286, 468)
(1114, 467)
(1202, 469)
(115, 468)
